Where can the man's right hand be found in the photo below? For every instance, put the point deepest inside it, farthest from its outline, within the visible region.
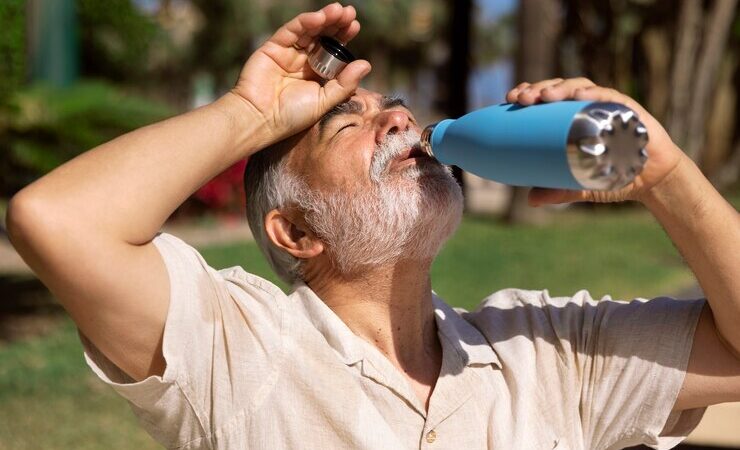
(277, 83)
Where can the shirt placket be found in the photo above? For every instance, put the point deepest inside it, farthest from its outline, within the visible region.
(454, 388)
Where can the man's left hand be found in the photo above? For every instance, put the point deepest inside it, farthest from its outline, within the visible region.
(663, 155)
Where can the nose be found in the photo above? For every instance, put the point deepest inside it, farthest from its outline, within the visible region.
(390, 122)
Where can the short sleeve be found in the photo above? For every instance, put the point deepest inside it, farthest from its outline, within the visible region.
(222, 345)
(632, 359)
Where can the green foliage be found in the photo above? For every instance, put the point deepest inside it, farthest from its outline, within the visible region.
(44, 127)
(115, 39)
(401, 24)
(12, 46)
(494, 40)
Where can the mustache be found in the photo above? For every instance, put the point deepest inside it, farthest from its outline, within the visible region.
(393, 145)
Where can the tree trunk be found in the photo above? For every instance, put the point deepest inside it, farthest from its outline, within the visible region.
(721, 124)
(657, 50)
(687, 45)
(539, 30)
(456, 103)
(714, 43)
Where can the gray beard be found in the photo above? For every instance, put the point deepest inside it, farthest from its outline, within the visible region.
(406, 215)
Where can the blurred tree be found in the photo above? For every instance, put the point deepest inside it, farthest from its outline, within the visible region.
(52, 41)
(538, 35)
(493, 41)
(12, 73)
(44, 126)
(226, 38)
(691, 135)
(115, 40)
(400, 39)
(12, 47)
(681, 62)
(456, 77)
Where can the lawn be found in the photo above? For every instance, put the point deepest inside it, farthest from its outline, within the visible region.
(48, 398)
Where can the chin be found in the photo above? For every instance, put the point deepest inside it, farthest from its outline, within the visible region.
(440, 207)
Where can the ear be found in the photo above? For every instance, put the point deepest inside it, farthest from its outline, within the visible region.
(288, 231)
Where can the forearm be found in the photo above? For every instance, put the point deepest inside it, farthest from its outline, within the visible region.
(127, 188)
(706, 230)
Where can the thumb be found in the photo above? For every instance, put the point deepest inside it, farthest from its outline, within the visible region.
(346, 82)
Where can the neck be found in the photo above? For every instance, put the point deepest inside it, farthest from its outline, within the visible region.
(391, 308)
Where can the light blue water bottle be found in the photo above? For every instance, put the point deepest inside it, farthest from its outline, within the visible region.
(567, 145)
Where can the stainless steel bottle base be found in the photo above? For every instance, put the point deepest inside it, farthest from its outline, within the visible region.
(606, 146)
(329, 57)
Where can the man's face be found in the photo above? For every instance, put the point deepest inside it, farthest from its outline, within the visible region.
(373, 196)
(336, 153)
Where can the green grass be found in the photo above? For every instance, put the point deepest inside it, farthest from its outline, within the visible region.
(49, 399)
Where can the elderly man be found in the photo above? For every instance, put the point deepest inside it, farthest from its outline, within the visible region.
(362, 354)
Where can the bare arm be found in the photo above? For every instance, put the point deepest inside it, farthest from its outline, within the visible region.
(706, 230)
(86, 228)
(703, 226)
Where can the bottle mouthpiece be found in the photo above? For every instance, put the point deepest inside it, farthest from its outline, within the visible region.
(426, 139)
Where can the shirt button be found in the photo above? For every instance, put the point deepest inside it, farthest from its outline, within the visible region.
(431, 436)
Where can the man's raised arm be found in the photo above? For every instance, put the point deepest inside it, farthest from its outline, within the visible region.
(703, 226)
(86, 228)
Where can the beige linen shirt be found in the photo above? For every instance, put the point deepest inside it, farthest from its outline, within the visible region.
(249, 367)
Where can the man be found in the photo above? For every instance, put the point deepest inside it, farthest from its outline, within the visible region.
(362, 354)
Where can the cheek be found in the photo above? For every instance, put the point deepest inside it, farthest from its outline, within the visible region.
(348, 164)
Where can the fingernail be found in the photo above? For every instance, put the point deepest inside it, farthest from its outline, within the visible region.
(366, 70)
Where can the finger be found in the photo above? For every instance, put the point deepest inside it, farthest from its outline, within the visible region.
(345, 84)
(303, 28)
(601, 94)
(565, 89)
(513, 93)
(345, 19)
(303, 24)
(349, 32)
(543, 196)
(334, 14)
(532, 94)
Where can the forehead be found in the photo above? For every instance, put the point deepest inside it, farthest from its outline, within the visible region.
(367, 97)
(309, 143)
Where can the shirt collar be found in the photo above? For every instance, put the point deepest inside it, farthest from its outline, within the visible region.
(335, 331)
(454, 331)
(464, 338)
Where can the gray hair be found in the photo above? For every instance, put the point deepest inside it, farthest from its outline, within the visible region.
(270, 185)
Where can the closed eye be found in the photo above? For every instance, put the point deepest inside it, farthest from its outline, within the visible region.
(345, 126)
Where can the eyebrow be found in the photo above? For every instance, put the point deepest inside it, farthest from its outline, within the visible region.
(355, 107)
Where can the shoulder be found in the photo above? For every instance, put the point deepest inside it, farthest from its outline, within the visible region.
(532, 316)
(182, 259)
(517, 305)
